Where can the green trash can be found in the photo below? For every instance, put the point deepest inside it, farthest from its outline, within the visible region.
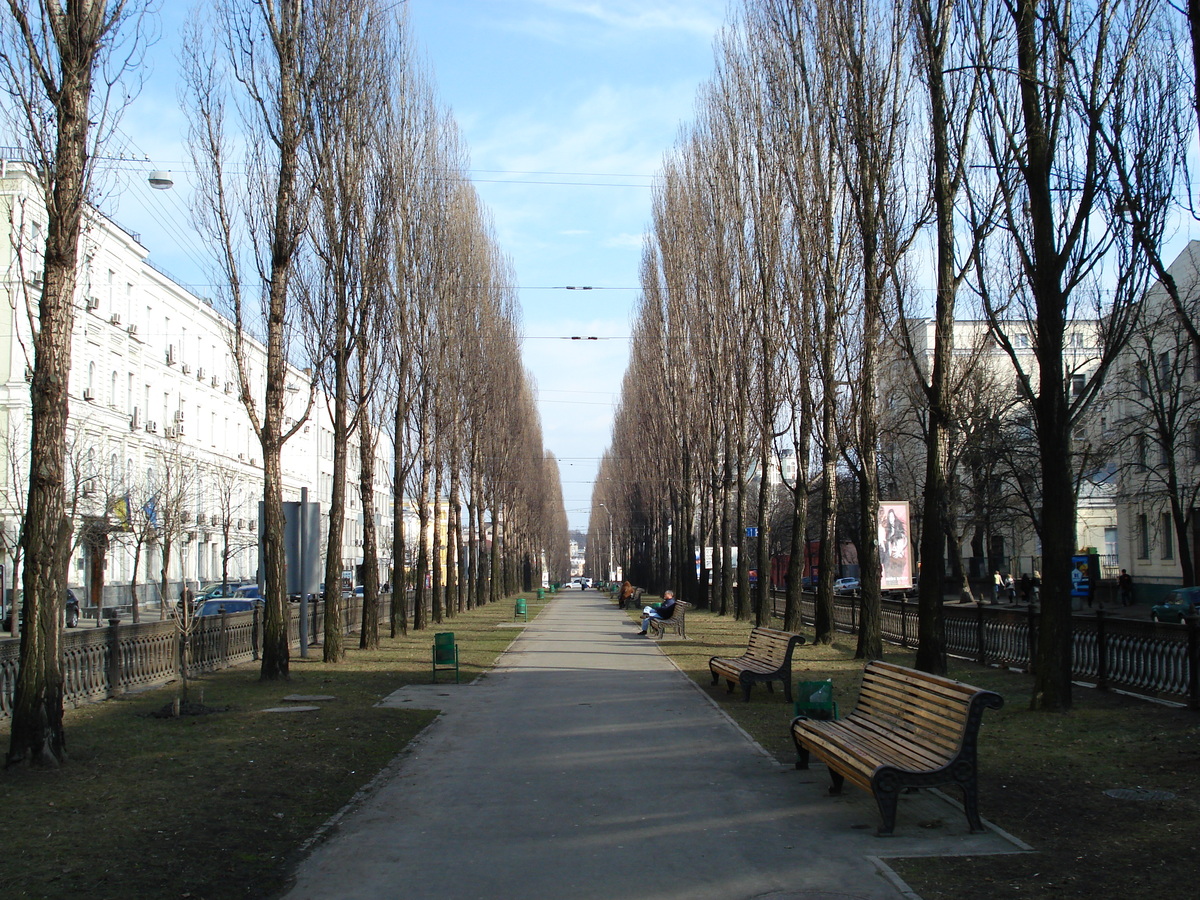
(521, 610)
(541, 593)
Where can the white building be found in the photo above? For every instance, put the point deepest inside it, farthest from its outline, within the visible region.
(153, 394)
(997, 479)
(1157, 393)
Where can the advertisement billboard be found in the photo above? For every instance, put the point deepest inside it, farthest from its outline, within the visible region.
(895, 552)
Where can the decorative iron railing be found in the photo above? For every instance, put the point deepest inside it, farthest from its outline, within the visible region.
(1146, 658)
(103, 662)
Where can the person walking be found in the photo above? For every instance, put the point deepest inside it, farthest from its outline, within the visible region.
(1125, 588)
(997, 586)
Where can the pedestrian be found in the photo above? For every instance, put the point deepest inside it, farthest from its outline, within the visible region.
(1125, 588)
(1026, 587)
(997, 586)
(625, 595)
(1037, 587)
(1010, 588)
(664, 610)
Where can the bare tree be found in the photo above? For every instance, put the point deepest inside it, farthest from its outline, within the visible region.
(1057, 79)
(274, 51)
(61, 67)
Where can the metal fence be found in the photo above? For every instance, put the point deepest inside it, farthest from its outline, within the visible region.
(1146, 658)
(98, 663)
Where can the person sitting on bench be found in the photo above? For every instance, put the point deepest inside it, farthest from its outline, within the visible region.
(665, 610)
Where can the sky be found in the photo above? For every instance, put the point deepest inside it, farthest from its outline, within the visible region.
(567, 108)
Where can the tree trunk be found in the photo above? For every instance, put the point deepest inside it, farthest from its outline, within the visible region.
(368, 636)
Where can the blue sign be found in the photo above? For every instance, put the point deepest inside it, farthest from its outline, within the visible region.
(751, 531)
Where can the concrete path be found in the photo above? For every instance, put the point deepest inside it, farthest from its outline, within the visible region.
(587, 766)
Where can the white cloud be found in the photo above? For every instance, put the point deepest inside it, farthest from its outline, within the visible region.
(626, 240)
(694, 17)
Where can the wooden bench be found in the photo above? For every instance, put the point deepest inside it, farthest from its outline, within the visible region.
(677, 623)
(908, 730)
(768, 658)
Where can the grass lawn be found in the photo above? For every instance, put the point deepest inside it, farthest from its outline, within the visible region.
(1042, 776)
(218, 806)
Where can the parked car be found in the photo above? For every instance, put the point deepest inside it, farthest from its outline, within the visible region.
(226, 604)
(72, 609)
(245, 591)
(216, 589)
(845, 586)
(1177, 605)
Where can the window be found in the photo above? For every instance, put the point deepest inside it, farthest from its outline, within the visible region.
(1110, 543)
(1164, 369)
(1022, 341)
(1143, 537)
(1168, 537)
(1195, 442)
(1143, 457)
(1077, 383)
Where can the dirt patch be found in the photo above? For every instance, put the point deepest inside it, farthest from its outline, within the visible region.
(175, 710)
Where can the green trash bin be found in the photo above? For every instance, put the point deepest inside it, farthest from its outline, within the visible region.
(814, 699)
(541, 593)
(520, 610)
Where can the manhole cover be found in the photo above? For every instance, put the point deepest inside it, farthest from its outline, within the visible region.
(1138, 794)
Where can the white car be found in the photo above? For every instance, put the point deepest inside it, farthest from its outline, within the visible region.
(845, 586)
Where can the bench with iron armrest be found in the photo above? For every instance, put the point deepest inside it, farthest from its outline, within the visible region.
(909, 729)
(677, 622)
(768, 658)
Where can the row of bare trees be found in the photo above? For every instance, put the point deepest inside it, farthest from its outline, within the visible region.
(332, 190)
(858, 170)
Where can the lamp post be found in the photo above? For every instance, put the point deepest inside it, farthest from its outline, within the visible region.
(612, 572)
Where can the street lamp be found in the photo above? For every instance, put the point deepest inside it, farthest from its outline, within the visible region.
(612, 572)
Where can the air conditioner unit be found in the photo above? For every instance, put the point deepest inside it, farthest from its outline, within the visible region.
(172, 431)
(242, 457)
(216, 382)
(36, 279)
(254, 460)
(115, 319)
(200, 374)
(170, 354)
(179, 415)
(185, 516)
(152, 428)
(88, 395)
(29, 373)
(132, 329)
(179, 430)
(241, 523)
(92, 303)
(214, 519)
(186, 369)
(229, 387)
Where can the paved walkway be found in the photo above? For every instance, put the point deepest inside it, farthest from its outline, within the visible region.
(587, 766)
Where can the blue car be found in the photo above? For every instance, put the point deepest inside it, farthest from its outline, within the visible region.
(1177, 605)
(226, 605)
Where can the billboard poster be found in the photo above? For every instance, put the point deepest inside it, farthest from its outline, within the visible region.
(894, 551)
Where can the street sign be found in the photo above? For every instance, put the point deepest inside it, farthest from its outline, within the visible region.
(751, 531)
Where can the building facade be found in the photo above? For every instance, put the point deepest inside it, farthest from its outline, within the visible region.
(160, 446)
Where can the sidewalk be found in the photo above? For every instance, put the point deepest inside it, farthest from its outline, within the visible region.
(587, 766)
